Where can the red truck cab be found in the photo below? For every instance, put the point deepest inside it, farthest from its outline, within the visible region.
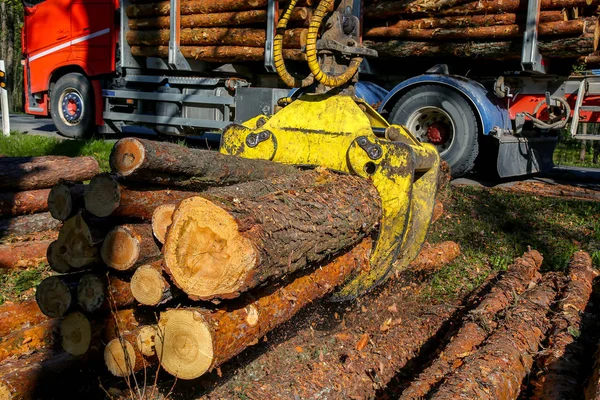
(68, 45)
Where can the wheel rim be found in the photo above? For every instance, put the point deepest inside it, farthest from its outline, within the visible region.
(433, 125)
(71, 106)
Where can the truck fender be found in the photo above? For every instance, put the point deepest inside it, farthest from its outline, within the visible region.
(492, 114)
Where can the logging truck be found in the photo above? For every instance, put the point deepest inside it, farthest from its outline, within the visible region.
(87, 68)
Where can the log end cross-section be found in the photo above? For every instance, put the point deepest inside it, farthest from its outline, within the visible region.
(102, 196)
(119, 357)
(127, 156)
(148, 285)
(76, 333)
(205, 253)
(53, 297)
(121, 249)
(161, 220)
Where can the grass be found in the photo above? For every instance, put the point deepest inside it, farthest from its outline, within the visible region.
(493, 227)
(20, 145)
(19, 283)
(568, 150)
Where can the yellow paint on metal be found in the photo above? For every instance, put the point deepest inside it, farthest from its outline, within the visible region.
(328, 130)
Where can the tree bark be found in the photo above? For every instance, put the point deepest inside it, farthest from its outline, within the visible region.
(432, 257)
(251, 240)
(29, 173)
(234, 18)
(391, 8)
(194, 7)
(64, 201)
(471, 21)
(495, 32)
(558, 48)
(496, 370)
(20, 203)
(220, 335)
(150, 287)
(478, 324)
(162, 217)
(217, 54)
(28, 340)
(27, 224)
(17, 316)
(293, 38)
(23, 254)
(127, 247)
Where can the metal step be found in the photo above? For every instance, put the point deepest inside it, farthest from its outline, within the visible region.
(587, 137)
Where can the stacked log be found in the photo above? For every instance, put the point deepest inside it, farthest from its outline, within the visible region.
(26, 227)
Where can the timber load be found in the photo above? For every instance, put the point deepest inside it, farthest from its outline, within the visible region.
(234, 31)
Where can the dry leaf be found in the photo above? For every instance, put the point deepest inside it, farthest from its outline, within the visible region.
(393, 308)
(386, 325)
(362, 343)
(299, 349)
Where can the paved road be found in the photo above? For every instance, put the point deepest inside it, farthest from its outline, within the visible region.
(30, 125)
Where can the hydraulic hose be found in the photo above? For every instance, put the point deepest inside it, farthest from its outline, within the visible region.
(311, 51)
(278, 60)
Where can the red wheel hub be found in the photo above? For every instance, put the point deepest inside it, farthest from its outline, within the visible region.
(71, 107)
(437, 133)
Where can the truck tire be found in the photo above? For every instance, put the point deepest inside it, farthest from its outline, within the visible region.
(441, 116)
(72, 106)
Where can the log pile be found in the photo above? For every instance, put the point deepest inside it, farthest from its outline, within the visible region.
(234, 31)
(27, 228)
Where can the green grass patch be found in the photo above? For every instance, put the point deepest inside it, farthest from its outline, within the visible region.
(493, 227)
(568, 152)
(20, 145)
(19, 283)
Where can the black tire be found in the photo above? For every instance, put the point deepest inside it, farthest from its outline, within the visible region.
(72, 106)
(463, 148)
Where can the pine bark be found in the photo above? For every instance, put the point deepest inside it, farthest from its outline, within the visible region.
(293, 38)
(30, 173)
(505, 50)
(20, 203)
(497, 369)
(217, 54)
(17, 316)
(194, 7)
(471, 21)
(561, 363)
(127, 247)
(234, 18)
(495, 32)
(27, 224)
(28, 340)
(252, 240)
(229, 331)
(23, 254)
(391, 8)
(432, 257)
(478, 324)
(171, 164)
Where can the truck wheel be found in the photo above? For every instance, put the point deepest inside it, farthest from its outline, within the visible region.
(441, 116)
(72, 106)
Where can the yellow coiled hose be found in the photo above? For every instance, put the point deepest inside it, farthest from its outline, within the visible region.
(311, 51)
(282, 71)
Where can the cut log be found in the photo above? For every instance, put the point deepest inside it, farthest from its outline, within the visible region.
(78, 243)
(471, 21)
(558, 48)
(171, 164)
(126, 247)
(145, 340)
(23, 254)
(189, 342)
(31, 237)
(497, 32)
(293, 38)
(27, 224)
(28, 340)
(64, 201)
(561, 363)
(478, 324)
(433, 257)
(496, 370)
(390, 8)
(76, 334)
(149, 286)
(218, 248)
(29, 173)
(235, 18)
(194, 7)
(17, 316)
(20, 203)
(54, 295)
(55, 260)
(217, 54)
(162, 217)
(90, 293)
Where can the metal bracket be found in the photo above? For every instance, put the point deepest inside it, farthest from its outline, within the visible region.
(531, 59)
(176, 59)
(272, 7)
